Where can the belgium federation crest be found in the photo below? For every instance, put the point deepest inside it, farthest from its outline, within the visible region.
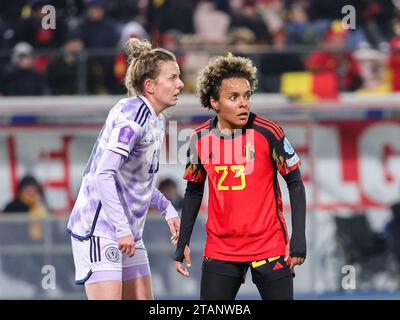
(249, 152)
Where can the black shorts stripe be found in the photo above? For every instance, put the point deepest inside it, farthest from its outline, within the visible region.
(98, 248)
(90, 249)
(94, 249)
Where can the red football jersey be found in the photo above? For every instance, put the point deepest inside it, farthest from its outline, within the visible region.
(245, 219)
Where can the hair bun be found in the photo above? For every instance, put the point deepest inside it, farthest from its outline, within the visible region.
(136, 48)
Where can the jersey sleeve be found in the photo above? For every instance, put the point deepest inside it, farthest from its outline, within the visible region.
(194, 171)
(284, 156)
(123, 137)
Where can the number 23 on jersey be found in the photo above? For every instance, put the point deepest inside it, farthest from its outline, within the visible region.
(239, 175)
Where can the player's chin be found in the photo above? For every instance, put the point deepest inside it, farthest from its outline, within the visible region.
(241, 122)
(173, 100)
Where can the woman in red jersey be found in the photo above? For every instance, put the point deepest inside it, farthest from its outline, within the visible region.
(241, 153)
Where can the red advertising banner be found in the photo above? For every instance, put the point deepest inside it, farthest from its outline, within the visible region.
(345, 164)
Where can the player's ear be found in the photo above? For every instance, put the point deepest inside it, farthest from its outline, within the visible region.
(214, 104)
(148, 86)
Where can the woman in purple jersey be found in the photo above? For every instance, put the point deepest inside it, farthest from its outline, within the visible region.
(118, 186)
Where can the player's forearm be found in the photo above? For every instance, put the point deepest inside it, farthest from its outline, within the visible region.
(191, 206)
(163, 205)
(106, 186)
(298, 207)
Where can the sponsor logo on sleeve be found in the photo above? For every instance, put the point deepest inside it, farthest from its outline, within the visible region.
(287, 146)
(125, 135)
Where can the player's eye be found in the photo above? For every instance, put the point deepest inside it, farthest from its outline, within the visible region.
(233, 98)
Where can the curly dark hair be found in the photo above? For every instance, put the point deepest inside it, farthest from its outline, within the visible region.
(220, 68)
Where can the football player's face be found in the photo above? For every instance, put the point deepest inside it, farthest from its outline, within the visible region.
(234, 103)
(167, 85)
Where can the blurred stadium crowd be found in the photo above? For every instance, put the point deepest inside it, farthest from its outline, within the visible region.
(299, 46)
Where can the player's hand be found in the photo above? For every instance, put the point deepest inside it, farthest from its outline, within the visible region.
(296, 261)
(174, 225)
(127, 245)
(188, 261)
(293, 261)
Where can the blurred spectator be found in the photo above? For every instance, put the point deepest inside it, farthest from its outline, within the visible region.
(334, 67)
(195, 22)
(211, 25)
(372, 68)
(169, 14)
(65, 73)
(299, 30)
(29, 199)
(169, 189)
(273, 13)
(171, 40)
(132, 29)
(375, 17)
(20, 78)
(99, 32)
(248, 16)
(29, 28)
(242, 39)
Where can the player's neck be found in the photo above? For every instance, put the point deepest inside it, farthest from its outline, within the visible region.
(225, 128)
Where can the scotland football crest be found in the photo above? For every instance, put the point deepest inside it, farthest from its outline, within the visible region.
(113, 254)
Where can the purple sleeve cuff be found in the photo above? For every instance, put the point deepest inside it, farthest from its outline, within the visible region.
(170, 212)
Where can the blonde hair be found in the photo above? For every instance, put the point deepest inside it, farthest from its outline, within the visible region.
(143, 63)
(223, 67)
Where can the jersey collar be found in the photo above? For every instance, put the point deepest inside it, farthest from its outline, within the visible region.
(143, 98)
(235, 133)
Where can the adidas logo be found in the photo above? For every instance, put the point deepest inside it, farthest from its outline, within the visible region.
(277, 266)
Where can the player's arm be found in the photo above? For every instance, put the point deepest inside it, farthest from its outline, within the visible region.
(287, 162)
(124, 135)
(191, 206)
(105, 179)
(196, 175)
(168, 211)
(297, 196)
